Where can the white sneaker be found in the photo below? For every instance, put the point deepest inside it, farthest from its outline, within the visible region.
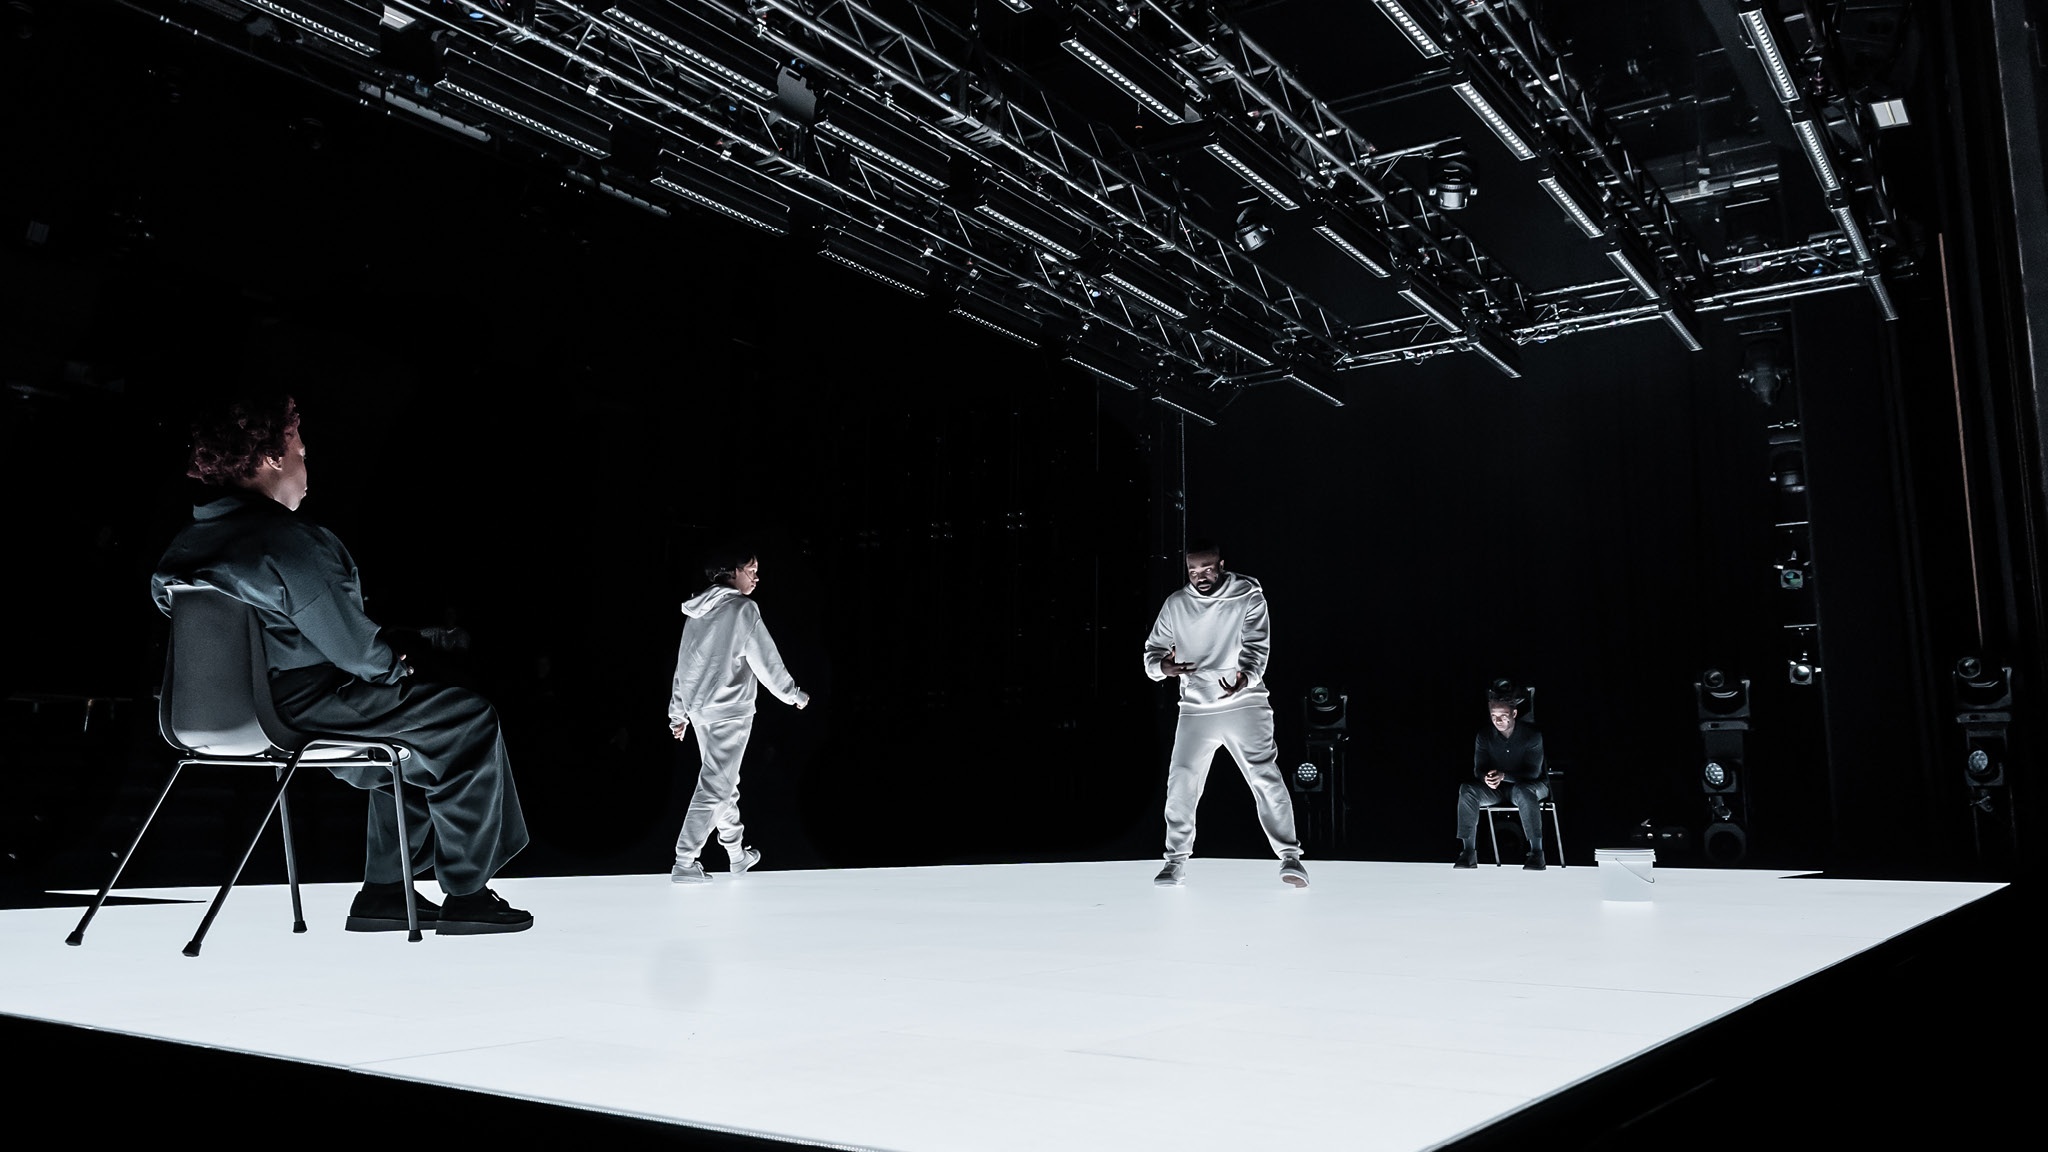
(745, 862)
(691, 873)
(1293, 873)
(1169, 876)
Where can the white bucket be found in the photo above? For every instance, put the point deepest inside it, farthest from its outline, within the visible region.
(1626, 873)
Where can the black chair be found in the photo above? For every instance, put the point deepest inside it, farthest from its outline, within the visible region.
(215, 709)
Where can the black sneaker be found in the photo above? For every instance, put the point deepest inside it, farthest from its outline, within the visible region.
(381, 908)
(1468, 858)
(1533, 862)
(481, 912)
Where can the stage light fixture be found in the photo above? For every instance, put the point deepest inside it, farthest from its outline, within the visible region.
(1433, 301)
(1184, 410)
(1033, 222)
(878, 256)
(729, 189)
(1983, 699)
(1631, 264)
(1354, 239)
(702, 45)
(1308, 777)
(1809, 132)
(1882, 295)
(1094, 44)
(523, 101)
(1678, 315)
(1468, 91)
(1889, 113)
(1454, 187)
(1249, 158)
(1801, 670)
(1585, 212)
(1253, 233)
(1299, 377)
(1110, 371)
(1715, 776)
(1411, 28)
(1017, 5)
(1761, 373)
(1724, 841)
(1156, 290)
(878, 136)
(1241, 337)
(1496, 349)
(1719, 697)
(996, 316)
(1767, 49)
(353, 26)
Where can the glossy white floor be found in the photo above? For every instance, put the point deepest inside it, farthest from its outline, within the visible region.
(1028, 1007)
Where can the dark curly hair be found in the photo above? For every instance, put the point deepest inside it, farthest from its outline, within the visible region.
(721, 562)
(231, 441)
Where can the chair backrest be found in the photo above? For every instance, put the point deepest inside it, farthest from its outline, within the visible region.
(216, 693)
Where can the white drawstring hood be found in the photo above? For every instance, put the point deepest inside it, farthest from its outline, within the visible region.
(724, 654)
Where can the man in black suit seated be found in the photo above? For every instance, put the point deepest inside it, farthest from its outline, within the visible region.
(1507, 768)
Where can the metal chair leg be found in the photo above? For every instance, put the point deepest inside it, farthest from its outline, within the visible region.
(1493, 836)
(1557, 826)
(77, 936)
(290, 769)
(412, 912)
(291, 860)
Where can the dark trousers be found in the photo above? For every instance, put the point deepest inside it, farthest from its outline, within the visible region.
(462, 813)
(1473, 796)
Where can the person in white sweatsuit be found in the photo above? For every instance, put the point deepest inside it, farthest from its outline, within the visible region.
(1212, 634)
(726, 653)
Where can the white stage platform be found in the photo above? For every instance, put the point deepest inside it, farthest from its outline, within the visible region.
(1011, 1007)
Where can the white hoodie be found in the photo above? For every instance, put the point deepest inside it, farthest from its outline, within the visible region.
(724, 648)
(1221, 634)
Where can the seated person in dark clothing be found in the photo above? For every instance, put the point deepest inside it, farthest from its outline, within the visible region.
(333, 672)
(1507, 768)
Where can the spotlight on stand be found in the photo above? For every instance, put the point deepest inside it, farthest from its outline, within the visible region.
(1983, 700)
(1722, 705)
(1326, 724)
(1801, 670)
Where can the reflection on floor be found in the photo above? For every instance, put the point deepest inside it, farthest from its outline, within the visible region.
(1028, 1007)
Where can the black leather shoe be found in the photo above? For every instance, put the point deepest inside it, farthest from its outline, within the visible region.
(1469, 858)
(1533, 862)
(481, 912)
(381, 908)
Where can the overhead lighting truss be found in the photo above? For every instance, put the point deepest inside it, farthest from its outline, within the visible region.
(354, 26)
(1095, 44)
(1412, 28)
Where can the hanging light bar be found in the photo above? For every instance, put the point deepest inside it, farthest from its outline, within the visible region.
(1816, 148)
(1411, 28)
(1031, 221)
(873, 134)
(1468, 91)
(1495, 349)
(1094, 44)
(879, 257)
(1632, 265)
(996, 316)
(1766, 46)
(522, 103)
(682, 35)
(1154, 289)
(1299, 377)
(1434, 303)
(1355, 240)
(1582, 214)
(1185, 411)
(1245, 155)
(1229, 332)
(353, 26)
(1679, 316)
(1846, 217)
(1114, 373)
(1885, 307)
(728, 189)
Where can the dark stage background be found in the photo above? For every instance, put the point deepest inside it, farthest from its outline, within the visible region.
(529, 408)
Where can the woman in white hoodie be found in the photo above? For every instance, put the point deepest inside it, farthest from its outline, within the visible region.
(726, 654)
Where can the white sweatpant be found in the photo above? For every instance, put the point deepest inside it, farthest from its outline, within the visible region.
(716, 803)
(1248, 734)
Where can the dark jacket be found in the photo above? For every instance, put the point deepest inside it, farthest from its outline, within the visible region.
(296, 574)
(1517, 756)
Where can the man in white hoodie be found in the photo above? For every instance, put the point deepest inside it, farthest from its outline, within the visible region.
(726, 653)
(1212, 635)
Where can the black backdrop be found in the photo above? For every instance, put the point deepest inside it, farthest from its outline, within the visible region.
(529, 408)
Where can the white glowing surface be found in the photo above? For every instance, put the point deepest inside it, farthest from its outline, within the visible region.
(1027, 1007)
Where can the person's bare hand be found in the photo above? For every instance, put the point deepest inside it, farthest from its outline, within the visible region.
(803, 700)
(1172, 665)
(678, 730)
(1235, 685)
(1493, 779)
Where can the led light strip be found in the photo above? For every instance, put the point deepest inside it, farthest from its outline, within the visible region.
(1579, 215)
(360, 47)
(1847, 219)
(1267, 187)
(1050, 244)
(1678, 328)
(719, 206)
(1351, 250)
(1429, 309)
(903, 166)
(519, 117)
(1147, 297)
(1313, 390)
(1817, 154)
(1628, 268)
(884, 277)
(1109, 71)
(998, 329)
(1410, 28)
(1112, 377)
(1495, 121)
(753, 87)
(1250, 353)
(1164, 402)
(1766, 46)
